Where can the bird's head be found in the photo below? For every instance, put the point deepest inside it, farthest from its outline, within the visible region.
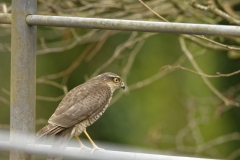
(113, 80)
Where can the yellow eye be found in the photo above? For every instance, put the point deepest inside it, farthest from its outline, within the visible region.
(116, 80)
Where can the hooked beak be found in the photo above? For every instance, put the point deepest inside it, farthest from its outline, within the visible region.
(122, 85)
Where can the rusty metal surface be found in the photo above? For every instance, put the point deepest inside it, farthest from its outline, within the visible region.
(23, 64)
(5, 18)
(132, 25)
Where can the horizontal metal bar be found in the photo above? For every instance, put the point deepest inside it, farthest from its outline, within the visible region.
(128, 25)
(75, 153)
(5, 18)
(133, 25)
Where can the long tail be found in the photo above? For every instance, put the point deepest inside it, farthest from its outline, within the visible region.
(60, 143)
(46, 132)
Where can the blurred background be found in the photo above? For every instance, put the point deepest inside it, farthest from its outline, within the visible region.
(170, 105)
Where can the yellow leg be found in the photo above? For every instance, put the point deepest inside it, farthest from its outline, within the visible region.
(80, 143)
(95, 147)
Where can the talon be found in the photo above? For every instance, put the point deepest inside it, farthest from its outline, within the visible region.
(96, 148)
(84, 147)
(81, 144)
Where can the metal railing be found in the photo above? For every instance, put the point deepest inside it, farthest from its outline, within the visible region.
(76, 153)
(128, 25)
(85, 153)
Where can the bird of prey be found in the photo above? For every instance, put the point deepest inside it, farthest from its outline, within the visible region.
(80, 108)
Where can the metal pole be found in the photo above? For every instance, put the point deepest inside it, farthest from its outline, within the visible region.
(5, 18)
(129, 25)
(133, 25)
(23, 64)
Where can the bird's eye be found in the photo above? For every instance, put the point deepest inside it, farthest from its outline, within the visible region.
(116, 80)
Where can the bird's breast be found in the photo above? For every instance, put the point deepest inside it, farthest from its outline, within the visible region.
(80, 127)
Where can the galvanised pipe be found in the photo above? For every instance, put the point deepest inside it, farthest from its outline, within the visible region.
(23, 74)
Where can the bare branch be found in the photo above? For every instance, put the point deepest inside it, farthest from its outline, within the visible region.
(6, 91)
(5, 47)
(153, 11)
(217, 43)
(201, 37)
(4, 7)
(53, 83)
(213, 9)
(4, 100)
(99, 45)
(235, 154)
(212, 46)
(130, 61)
(72, 67)
(197, 68)
(168, 67)
(218, 141)
(81, 39)
(53, 99)
(131, 41)
(43, 44)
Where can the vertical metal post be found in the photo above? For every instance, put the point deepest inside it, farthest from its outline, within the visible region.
(23, 68)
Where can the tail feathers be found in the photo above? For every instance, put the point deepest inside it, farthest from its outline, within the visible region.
(60, 143)
(46, 132)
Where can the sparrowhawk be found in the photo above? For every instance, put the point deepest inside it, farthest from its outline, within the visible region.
(80, 108)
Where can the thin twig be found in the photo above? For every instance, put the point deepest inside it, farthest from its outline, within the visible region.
(130, 61)
(213, 9)
(72, 67)
(53, 99)
(217, 43)
(130, 42)
(198, 36)
(153, 11)
(80, 40)
(164, 68)
(4, 100)
(99, 45)
(53, 83)
(197, 68)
